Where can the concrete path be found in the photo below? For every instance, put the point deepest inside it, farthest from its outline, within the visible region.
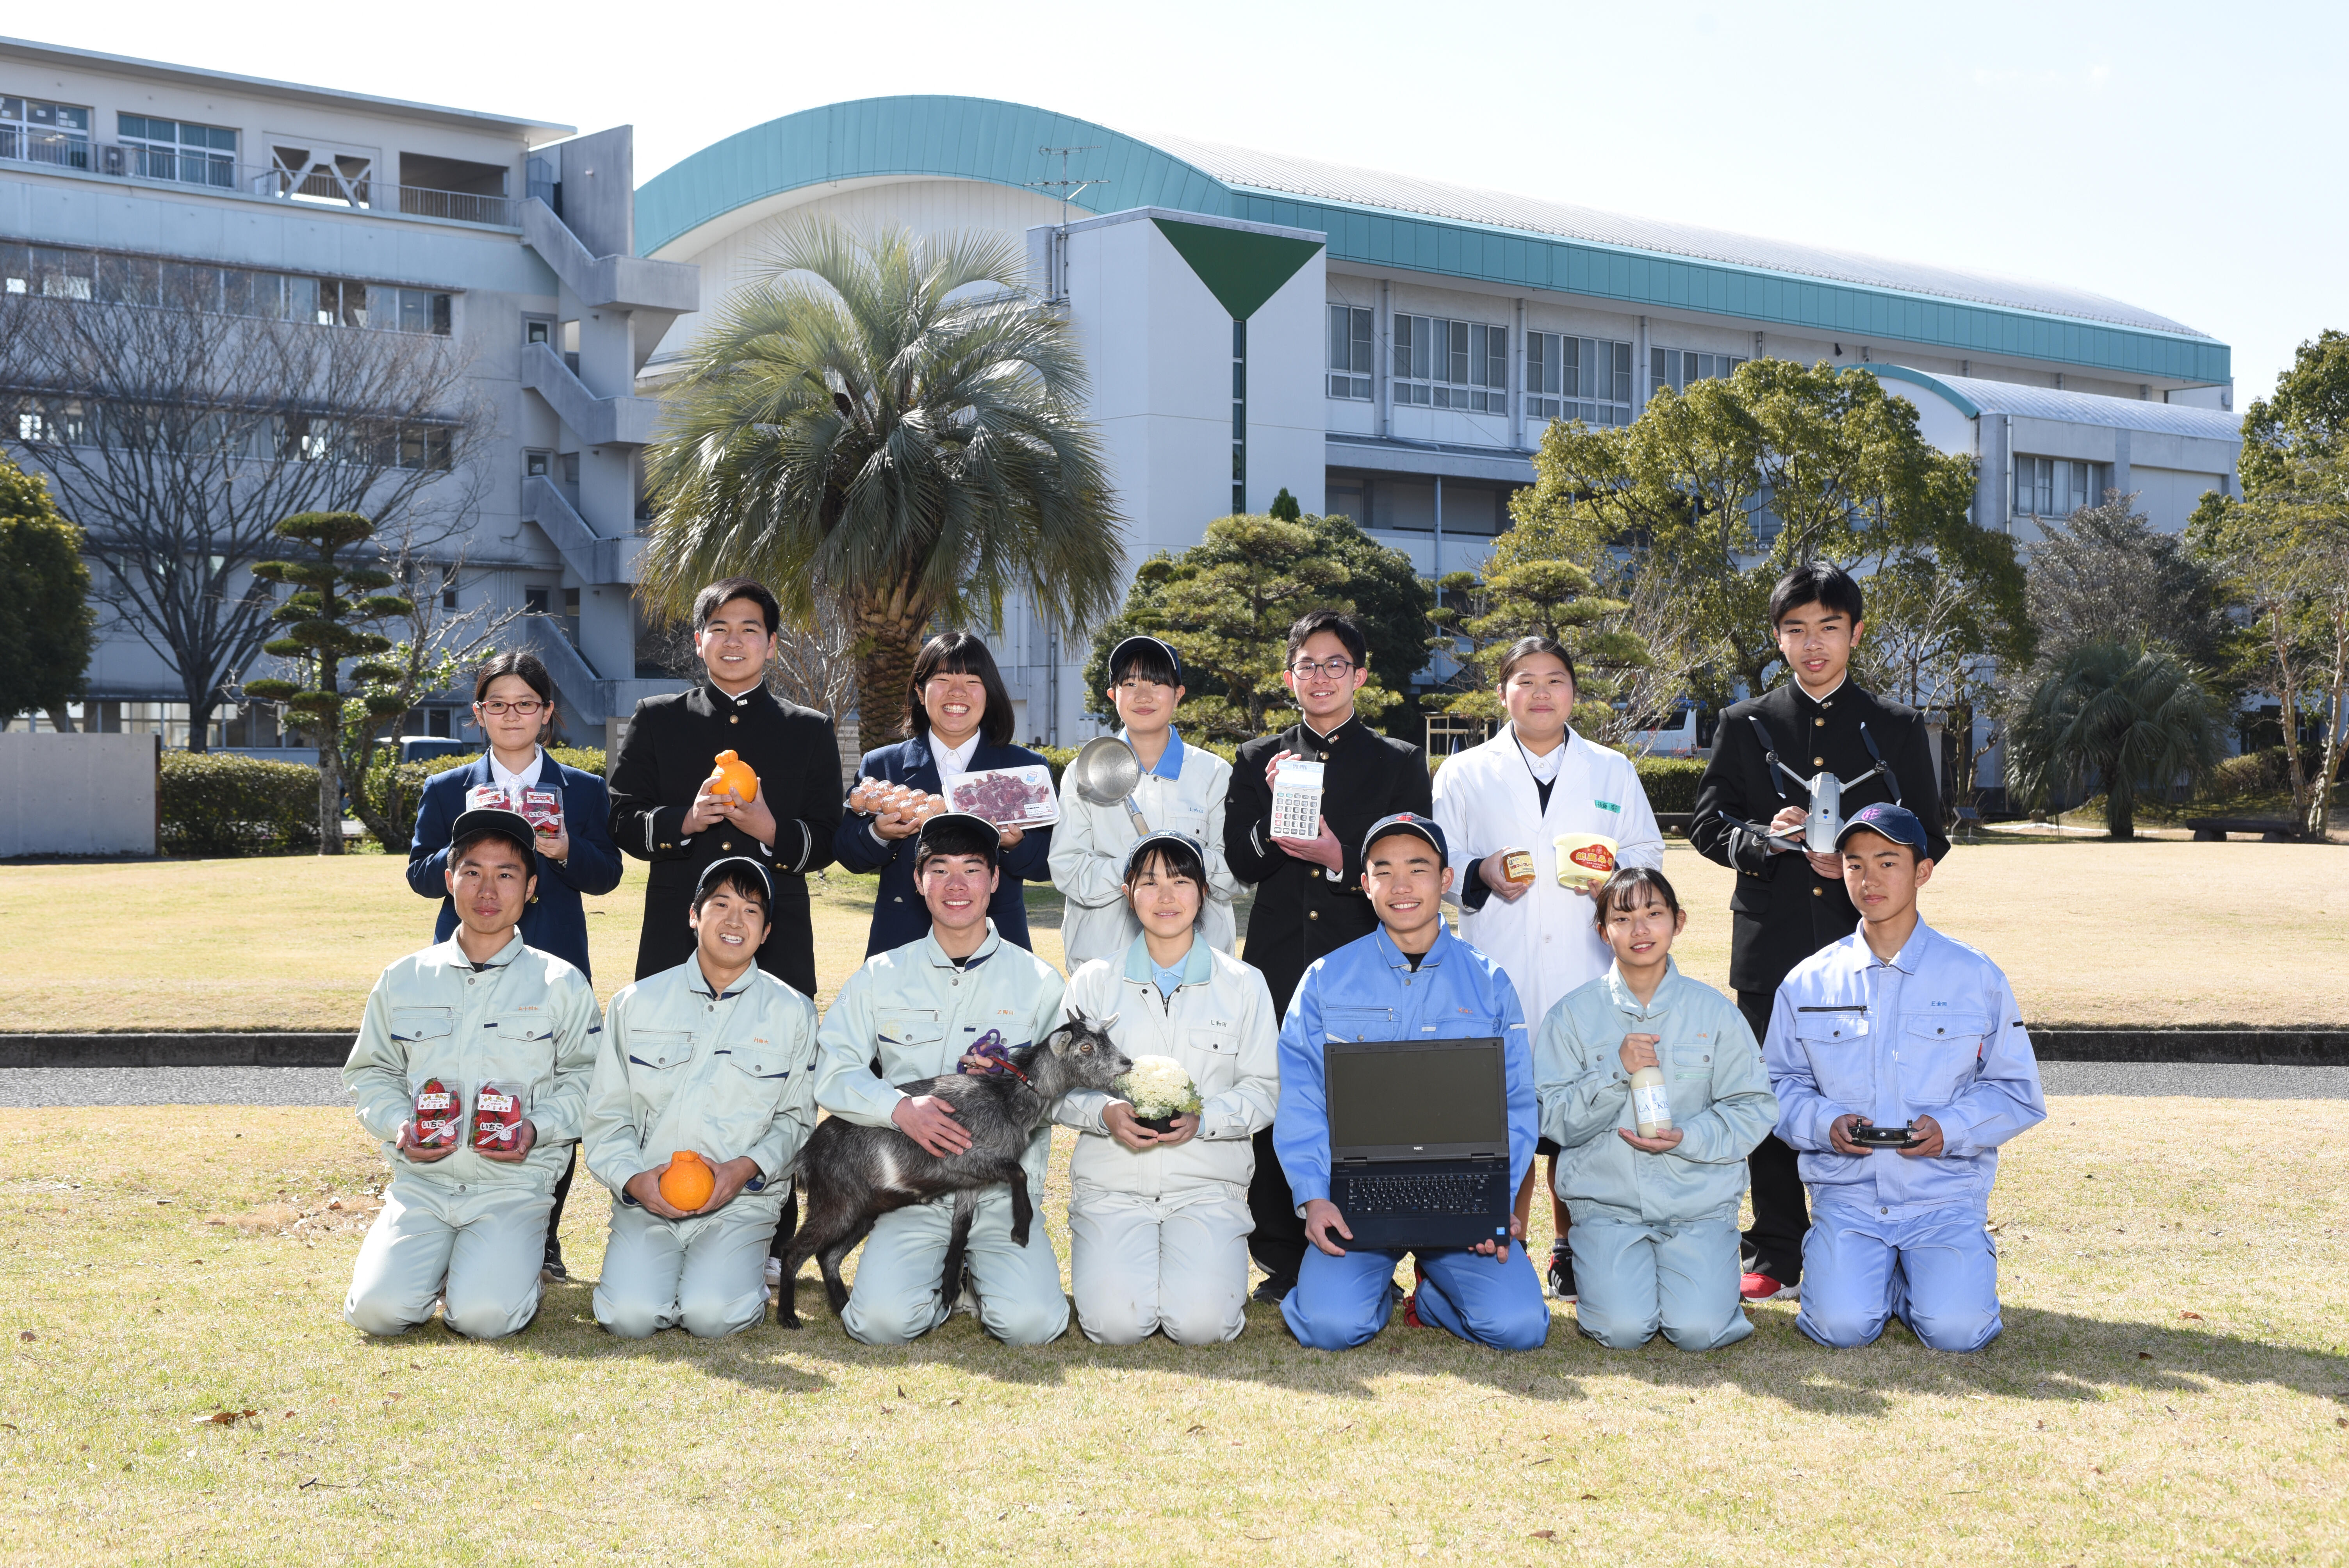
(23, 1087)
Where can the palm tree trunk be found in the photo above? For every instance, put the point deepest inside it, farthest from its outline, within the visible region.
(2120, 812)
(888, 626)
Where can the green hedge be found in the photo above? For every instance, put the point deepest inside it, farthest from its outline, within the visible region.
(222, 804)
(394, 789)
(1671, 782)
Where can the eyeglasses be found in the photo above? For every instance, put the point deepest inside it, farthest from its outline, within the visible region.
(1336, 669)
(499, 709)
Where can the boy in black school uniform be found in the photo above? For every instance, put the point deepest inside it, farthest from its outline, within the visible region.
(1787, 904)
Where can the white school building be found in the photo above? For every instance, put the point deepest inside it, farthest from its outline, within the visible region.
(1380, 346)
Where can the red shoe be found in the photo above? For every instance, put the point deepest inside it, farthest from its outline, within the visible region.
(1411, 1311)
(1762, 1288)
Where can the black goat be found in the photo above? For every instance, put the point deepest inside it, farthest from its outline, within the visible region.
(852, 1174)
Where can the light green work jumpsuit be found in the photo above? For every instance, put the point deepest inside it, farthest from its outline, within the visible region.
(725, 1075)
(472, 1227)
(917, 1011)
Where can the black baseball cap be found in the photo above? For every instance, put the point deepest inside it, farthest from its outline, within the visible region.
(969, 826)
(718, 868)
(510, 826)
(1897, 823)
(1120, 651)
(1410, 822)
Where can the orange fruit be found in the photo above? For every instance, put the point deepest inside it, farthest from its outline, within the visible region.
(688, 1181)
(730, 772)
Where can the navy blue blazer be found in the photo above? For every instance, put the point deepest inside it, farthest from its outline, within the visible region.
(556, 922)
(899, 917)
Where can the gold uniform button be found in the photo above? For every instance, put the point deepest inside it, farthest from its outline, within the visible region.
(726, 844)
(1819, 892)
(1818, 724)
(733, 718)
(1819, 762)
(1312, 915)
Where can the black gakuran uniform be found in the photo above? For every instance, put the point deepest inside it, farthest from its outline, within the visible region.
(1780, 911)
(1301, 912)
(671, 744)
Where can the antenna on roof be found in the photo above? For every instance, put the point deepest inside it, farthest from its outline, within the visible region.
(1056, 290)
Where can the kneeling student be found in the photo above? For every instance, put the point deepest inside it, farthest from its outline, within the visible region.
(1411, 979)
(1897, 1025)
(917, 1011)
(1158, 1222)
(717, 1058)
(1655, 1218)
(482, 1010)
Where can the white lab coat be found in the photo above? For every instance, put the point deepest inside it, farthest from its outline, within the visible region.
(1486, 800)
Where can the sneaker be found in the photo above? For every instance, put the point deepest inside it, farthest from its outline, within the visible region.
(774, 1279)
(1560, 1284)
(552, 1270)
(1274, 1289)
(1762, 1288)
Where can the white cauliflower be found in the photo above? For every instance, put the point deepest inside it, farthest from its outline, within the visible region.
(1158, 1087)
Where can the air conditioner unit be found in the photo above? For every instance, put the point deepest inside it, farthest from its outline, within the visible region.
(113, 161)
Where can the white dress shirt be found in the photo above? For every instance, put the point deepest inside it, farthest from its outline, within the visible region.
(513, 783)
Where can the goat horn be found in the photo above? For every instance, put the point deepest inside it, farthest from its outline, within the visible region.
(1106, 1025)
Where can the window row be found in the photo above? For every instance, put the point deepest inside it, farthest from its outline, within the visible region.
(88, 422)
(1586, 378)
(1676, 367)
(56, 273)
(2058, 486)
(1443, 363)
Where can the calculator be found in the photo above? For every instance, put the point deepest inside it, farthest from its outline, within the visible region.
(1297, 800)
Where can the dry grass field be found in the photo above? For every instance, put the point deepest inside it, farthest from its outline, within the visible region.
(2160, 931)
(2172, 1389)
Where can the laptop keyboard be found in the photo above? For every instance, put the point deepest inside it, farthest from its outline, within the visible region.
(1457, 1192)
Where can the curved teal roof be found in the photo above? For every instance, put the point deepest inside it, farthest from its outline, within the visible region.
(1427, 227)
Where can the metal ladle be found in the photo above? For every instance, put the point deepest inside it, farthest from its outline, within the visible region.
(1106, 770)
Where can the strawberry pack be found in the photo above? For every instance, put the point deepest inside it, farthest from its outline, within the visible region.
(497, 1118)
(440, 1116)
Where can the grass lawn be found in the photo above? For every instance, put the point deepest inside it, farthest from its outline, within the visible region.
(2090, 931)
(2171, 1388)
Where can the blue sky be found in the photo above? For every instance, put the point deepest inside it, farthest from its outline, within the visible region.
(2170, 155)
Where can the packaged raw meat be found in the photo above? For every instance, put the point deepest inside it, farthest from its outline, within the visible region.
(497, 1117)
(1007, 797)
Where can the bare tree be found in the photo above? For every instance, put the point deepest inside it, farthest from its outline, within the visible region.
(178, 425)
(814, 663)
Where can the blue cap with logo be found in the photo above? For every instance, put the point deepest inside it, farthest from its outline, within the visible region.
(1897, 823)
(1157, 837)
(1407, 822)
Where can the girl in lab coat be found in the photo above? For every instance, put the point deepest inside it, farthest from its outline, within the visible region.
(1534, 781)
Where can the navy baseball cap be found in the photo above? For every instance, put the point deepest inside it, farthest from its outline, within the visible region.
(1161, 836)
(510, 826)
(1123, 649)
(1897, 823)
(717, 869)
(1410, 822)
(968, 826)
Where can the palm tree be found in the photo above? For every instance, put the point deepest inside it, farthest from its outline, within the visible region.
(2128, 714)
(894, 423)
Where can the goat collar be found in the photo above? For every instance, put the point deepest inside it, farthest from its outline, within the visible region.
(1013, 1069)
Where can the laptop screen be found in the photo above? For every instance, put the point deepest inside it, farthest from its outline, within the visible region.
(1430, 1099)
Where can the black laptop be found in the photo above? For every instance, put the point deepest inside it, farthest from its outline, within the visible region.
(1419, 1141)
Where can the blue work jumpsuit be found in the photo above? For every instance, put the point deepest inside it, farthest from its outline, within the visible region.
(1368, 990)
(1933, 1032)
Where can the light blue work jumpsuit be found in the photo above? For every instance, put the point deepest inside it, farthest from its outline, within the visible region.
(1655, 1235)
(466, 1227)
(916, 1011)
(725, 1075)
(1367, 990)
(1934, 1032)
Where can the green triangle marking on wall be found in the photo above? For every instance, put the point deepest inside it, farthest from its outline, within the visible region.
(1241, 269)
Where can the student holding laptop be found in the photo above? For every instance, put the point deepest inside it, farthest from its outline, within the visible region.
(1407, 1091)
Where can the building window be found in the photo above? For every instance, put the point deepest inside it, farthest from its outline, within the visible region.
(59, 274)
(1350, 352)
(2058, 486)
(1676, 367)
(37, 132)
(175, 149)
(1586, 378)
(1239, 417)
(1445, 364)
